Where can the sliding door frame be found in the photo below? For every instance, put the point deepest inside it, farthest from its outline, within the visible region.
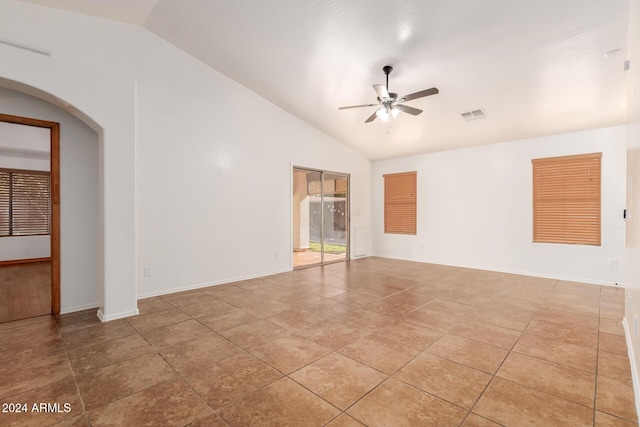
(347, 219)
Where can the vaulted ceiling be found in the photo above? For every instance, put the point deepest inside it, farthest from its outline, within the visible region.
(535, 67)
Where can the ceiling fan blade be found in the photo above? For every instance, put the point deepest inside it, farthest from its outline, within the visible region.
(371, 117)
(382, 91)
(357, 106)
(422, 93)
(407, 109)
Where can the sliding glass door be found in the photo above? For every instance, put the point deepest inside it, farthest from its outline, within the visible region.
(320, 217)
(334, 217)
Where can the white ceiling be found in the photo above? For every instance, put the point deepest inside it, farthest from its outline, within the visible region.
(130, 11)
(535, 67)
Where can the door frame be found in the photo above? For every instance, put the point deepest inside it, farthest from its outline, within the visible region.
(347, 220)
(54, 127)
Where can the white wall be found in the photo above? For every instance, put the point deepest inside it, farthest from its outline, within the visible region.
(24, 147)
(214, 172)
(105, 99)
(24, 247)
(474, 208)
(14, 160)
(633, 152)
(78, 199)
(632, 277)
(213, 160)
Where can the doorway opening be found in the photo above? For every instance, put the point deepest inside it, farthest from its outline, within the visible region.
(29, 218)
(320, 217)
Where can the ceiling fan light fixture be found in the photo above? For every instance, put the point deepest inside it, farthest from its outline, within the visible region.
(389, 102)
(382, 114)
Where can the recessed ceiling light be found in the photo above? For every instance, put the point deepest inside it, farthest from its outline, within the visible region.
(404, 32)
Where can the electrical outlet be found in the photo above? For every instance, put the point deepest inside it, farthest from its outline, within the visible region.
(147, 271)
(613, 263)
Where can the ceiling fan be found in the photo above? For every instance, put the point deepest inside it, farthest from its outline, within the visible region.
(390, 104)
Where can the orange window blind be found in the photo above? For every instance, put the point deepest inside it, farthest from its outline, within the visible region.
(400, 203)
(566, 199)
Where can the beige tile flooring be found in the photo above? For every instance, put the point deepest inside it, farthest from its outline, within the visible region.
(373, 342)
(25, 291)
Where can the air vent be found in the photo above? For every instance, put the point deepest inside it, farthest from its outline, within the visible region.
(474, 115)
(27, 48)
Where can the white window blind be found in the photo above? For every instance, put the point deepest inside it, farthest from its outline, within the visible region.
(25, 202)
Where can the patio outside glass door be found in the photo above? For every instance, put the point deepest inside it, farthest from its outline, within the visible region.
(320, 217)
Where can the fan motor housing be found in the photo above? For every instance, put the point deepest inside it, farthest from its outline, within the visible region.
(392, 96)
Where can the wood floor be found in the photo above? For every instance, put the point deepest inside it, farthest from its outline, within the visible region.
(25, 291)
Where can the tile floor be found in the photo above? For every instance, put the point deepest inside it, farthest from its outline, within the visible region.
(309, 257)
(373, 342)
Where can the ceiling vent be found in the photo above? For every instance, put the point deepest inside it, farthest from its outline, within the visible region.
(474, 115)
(27, 48)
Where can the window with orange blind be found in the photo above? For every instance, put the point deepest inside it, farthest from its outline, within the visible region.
(566, 199)
(400, 203)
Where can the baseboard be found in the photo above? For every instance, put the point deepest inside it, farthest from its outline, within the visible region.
(548, 276)
(206, 285)
(634, 368)
(11, 262)
(121, 315)
(509, 271)
(67, 310)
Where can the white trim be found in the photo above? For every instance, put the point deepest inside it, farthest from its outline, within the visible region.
(115, 316)
(634, 368)
(518, 272)
(207, 284)
(291, 172)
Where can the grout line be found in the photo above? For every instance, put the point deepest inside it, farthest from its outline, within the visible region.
(595, 386)
(73, 373)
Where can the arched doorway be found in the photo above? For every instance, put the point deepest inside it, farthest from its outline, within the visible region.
(106, 102)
